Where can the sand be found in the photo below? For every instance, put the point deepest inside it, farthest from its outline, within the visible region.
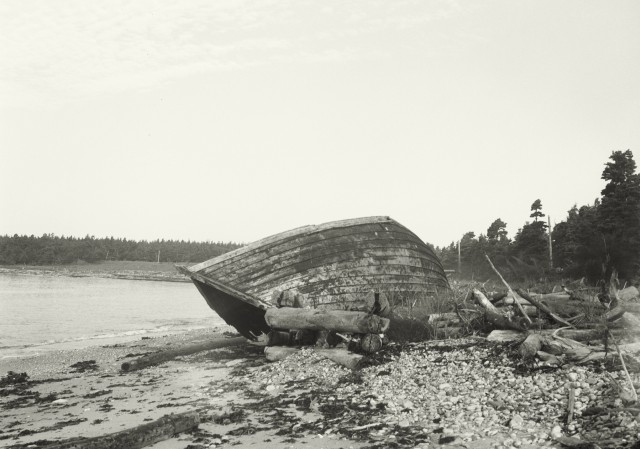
(83, 393)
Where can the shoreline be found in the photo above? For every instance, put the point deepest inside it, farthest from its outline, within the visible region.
(455, 393)
(82, 392)
(126, 270)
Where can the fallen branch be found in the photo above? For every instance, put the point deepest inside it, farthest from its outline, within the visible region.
(571, 403)
(518, 306)
(530, 346)
(634, 393)
(542, 307)
(493, 316)
(165, 356)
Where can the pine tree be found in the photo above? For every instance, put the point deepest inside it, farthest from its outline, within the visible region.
(619, 215)
(536, 209)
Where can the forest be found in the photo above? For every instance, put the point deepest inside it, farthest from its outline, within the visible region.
(590, 243)
(53, 250)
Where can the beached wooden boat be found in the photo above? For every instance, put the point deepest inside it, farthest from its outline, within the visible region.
(332, 264)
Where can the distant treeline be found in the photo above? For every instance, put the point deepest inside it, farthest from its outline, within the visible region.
(591, 242)
(50, 249)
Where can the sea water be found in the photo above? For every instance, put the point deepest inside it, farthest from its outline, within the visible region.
(43, 312)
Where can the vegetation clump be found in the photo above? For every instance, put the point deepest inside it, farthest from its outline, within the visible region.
(592, 242)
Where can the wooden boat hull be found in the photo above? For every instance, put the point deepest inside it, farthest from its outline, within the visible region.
(332, 264)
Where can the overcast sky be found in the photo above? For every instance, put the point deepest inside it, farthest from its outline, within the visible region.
(230, 120)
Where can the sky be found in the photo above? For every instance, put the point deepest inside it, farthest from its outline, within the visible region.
(231, 120)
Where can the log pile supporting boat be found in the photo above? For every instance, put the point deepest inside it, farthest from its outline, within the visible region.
(348, 266)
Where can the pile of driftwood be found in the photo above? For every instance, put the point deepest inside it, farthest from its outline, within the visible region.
(557, 328)
(343, 336)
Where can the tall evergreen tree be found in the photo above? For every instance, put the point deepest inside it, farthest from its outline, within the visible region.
(619, 215)
(536, 210)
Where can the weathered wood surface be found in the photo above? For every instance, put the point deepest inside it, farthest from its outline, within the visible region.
(531, 345)
(514, 294)
(493, 315)
(136, 437)
(335, 259)
(543, 307)
(506, 335)
(247, 318)
(165, 356)
(438, 319)
(276, 353)
(288, 298)
(629, 294)
(371, 343)
(316, 319)
(369, 302)
(340, 356)
(343, 357)
(581, 335)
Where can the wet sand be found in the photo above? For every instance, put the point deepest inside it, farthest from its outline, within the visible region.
(83, 393)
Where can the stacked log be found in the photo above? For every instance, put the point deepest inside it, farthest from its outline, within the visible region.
(335, 333)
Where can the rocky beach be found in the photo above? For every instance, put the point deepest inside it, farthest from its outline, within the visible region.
(464, 393)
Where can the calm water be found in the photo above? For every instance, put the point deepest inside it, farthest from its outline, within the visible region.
(38, 313)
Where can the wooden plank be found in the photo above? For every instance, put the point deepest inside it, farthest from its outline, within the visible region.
(309, 249)
(339, 285)
(330, 271)
(379, 248)
(334, 237)
(352, 259)
(301, 231)
(338, 294)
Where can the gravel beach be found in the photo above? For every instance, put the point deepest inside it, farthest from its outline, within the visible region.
(456, 393)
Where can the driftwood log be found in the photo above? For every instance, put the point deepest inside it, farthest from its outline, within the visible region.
(371, 343)
(518, 306)
(276, 353)
(136, 437)
(165, 356)
(343, 357)
(543, 307)
(340, 356)
(493, 315)
(317, 319)
(554, 349)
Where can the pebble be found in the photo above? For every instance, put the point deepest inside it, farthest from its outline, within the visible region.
(429, 388)
(516, 422)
